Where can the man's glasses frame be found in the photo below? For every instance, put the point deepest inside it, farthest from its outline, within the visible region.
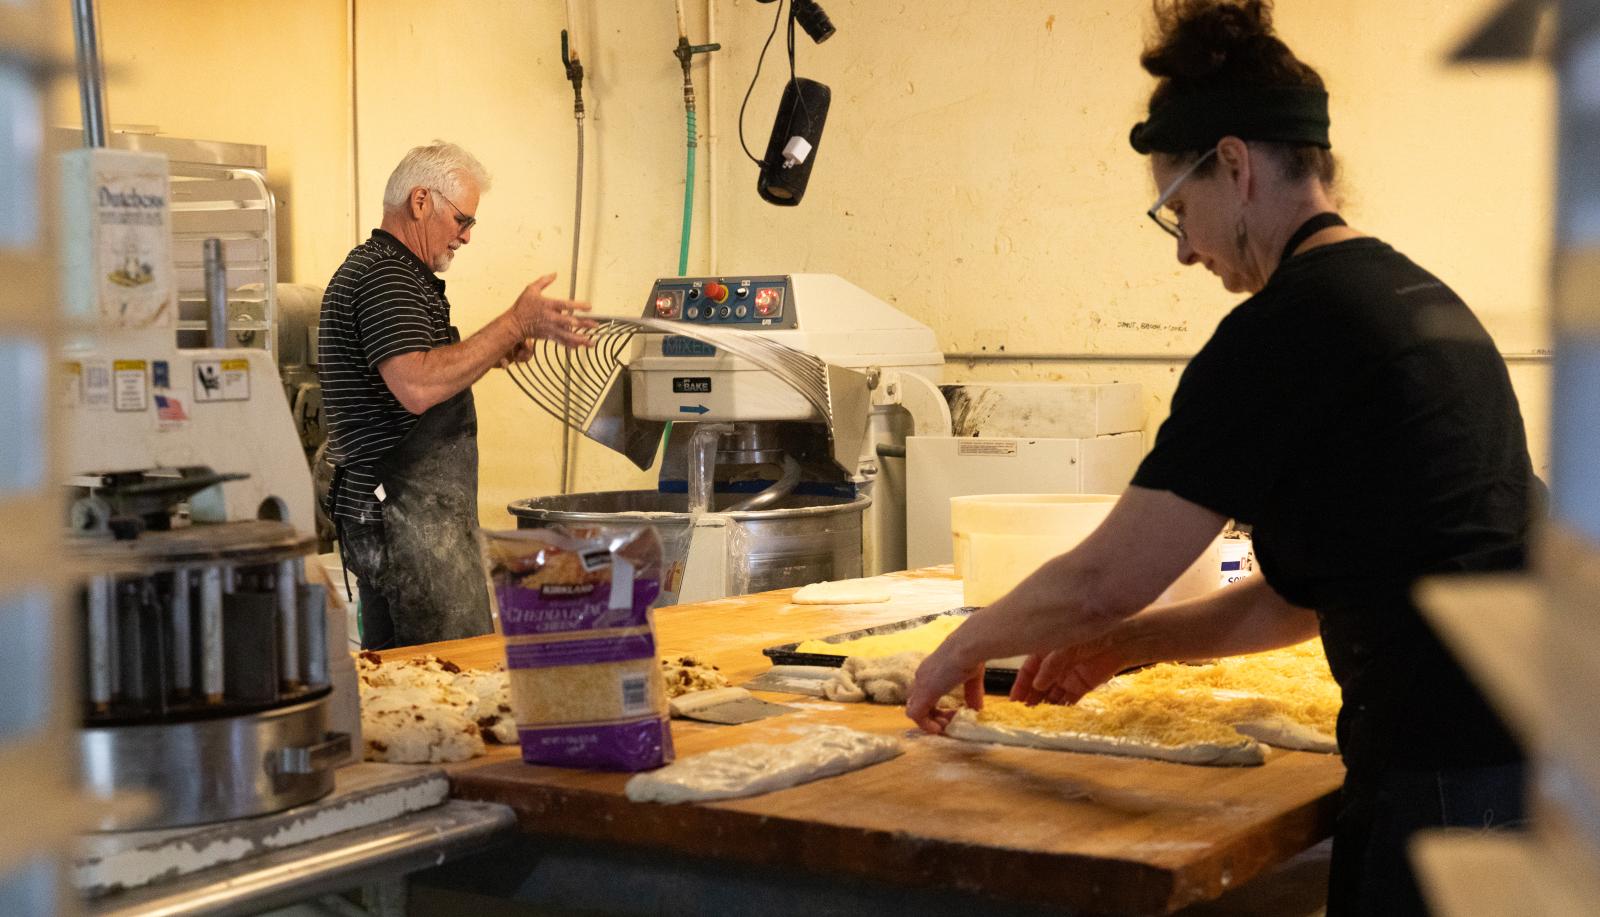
(463, 222)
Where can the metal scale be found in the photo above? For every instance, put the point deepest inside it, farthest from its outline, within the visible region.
(781, 404)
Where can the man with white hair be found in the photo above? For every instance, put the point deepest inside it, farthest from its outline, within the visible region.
(397, 398)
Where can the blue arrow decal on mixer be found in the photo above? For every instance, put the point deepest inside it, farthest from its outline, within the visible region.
(692, 409)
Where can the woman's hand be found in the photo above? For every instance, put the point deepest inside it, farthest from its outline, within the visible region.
(944, 668)
(1065, 675)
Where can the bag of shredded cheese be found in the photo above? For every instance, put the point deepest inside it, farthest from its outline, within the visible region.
(575, 608)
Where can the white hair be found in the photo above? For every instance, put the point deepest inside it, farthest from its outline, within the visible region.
(439, 165)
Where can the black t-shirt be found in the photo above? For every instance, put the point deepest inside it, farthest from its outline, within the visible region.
(1358, 415)
(382, 302)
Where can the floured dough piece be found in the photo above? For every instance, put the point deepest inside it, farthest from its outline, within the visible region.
(419, 710)
(756, 768)
(1282, 732)
(419, 735)
(1081, 730)
(842, 592)
(882, 680)
(687, 674)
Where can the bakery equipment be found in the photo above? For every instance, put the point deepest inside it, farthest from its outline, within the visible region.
(208, 663)
(1019, 438)
(781, 403)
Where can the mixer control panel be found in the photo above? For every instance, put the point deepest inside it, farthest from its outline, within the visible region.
(760, 302)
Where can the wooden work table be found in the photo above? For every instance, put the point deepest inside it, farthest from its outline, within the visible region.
(1087, 832)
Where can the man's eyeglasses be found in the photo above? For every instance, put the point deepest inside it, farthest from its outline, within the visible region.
(463, 222)
(1173, 227)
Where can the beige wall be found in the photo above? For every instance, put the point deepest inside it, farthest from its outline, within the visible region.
(249, 71)
(975, 169)
(976, 172)
(488, 75)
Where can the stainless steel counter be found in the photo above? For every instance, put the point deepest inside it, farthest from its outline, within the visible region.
(353, 858)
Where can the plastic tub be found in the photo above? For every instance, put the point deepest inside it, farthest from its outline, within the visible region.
(1002, 538)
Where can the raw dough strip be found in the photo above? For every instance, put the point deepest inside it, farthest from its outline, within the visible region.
(756, 768)
(966, 726)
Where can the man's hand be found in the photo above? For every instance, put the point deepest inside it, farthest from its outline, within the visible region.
(539, 316)
(521, 353)
(1065, 675)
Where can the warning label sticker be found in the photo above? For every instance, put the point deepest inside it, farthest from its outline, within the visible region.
(221, 380)
(987, 447)
(130, 385)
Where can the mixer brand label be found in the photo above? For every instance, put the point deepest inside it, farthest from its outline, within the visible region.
(691, 385)
(130, 385)
(677, 345)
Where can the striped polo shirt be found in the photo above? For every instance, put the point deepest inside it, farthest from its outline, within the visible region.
(382, 302)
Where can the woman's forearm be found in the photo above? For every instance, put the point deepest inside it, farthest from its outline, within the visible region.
(1246, 617)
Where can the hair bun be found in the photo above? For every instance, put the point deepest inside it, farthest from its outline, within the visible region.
(1206, 40)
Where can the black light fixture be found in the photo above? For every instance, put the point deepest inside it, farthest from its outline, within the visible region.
(813, 19)
(797, 130)
(792, 148)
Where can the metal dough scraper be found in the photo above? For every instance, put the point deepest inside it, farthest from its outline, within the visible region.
(728, 706)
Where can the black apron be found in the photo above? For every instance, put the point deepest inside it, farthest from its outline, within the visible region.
(432, 571)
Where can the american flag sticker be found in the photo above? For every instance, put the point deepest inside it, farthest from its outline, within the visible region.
(170, 409)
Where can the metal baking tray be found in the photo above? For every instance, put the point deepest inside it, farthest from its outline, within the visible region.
(996, 679)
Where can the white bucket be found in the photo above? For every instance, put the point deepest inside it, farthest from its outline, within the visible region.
(1000, 539)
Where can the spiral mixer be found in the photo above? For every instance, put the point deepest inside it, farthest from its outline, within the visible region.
(781, 404)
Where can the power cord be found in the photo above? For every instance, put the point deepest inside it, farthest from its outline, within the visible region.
(778, 17)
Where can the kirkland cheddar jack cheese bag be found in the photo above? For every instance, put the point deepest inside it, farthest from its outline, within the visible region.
(575, 608)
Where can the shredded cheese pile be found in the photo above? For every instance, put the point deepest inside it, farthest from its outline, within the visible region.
(1293, 682)
(1175, 704)
(1156, 724)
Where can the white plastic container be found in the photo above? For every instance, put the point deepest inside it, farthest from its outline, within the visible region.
(1002, 538)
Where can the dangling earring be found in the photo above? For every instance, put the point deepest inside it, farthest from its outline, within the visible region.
(1241, 237)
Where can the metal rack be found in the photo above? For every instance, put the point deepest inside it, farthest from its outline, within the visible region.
(219, 190)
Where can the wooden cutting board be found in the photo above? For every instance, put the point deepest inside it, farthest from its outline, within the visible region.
(1091, 832)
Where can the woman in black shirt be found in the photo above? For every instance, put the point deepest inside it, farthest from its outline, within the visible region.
(1353, 411)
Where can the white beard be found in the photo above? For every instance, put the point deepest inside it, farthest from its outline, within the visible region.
(441, 261)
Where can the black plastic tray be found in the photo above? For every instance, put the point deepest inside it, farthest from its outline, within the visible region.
(996, 680)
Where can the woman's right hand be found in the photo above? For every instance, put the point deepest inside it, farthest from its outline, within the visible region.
(1065, 675)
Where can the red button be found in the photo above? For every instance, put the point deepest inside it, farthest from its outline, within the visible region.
(716, 292)
(768, 300)
(667, 305)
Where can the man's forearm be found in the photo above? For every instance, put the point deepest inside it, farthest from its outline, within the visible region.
(423, 379)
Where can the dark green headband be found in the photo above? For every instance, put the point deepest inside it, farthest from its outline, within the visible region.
(1196, 119)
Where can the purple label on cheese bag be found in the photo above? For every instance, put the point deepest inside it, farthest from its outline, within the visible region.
(633, 746)
(539, 610)
(580, 652)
